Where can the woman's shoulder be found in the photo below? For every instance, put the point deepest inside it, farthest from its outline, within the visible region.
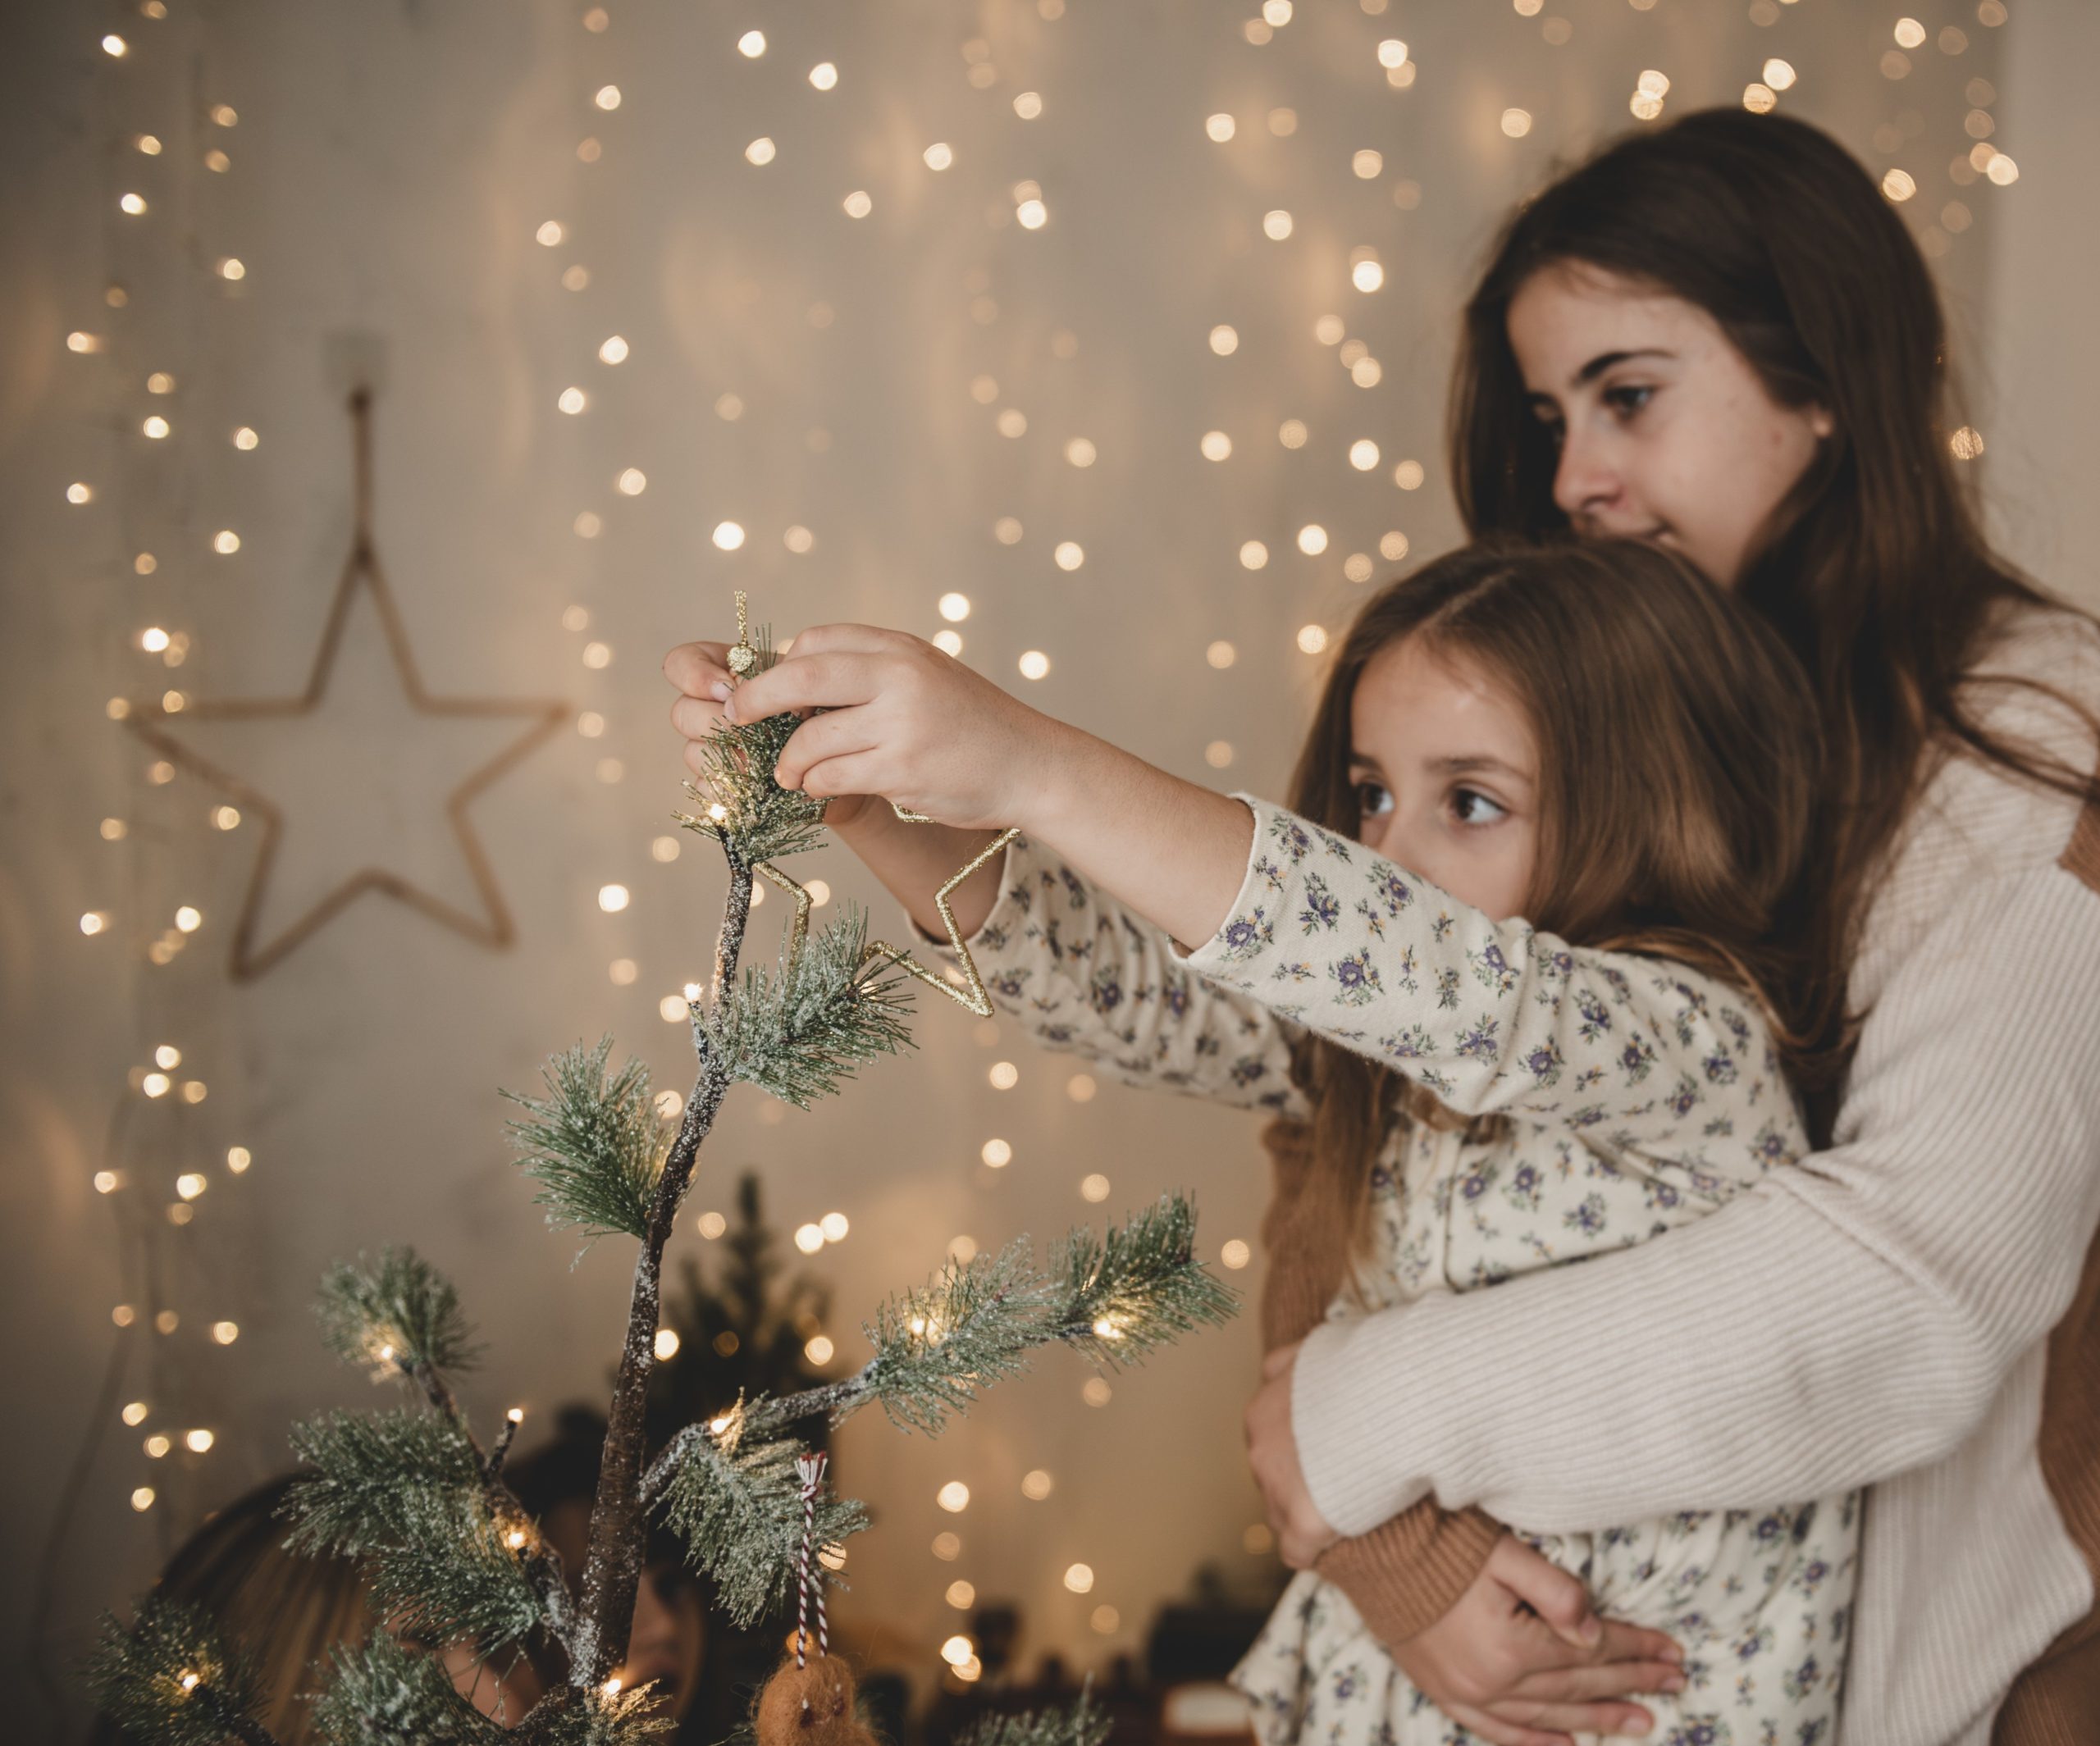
(2034, 689)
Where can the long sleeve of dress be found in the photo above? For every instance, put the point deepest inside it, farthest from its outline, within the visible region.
(1838, 1324)
(1081, 973)
(1491, 1016)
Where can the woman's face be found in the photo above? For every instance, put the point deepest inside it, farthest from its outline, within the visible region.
(1666, 433)
(1446, 774)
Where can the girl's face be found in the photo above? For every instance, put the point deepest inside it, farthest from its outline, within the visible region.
(1446, 773)
(1666, 432)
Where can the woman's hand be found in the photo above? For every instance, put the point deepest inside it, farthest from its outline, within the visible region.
(1521, 1655)
(902, 720)
(1302, 1532)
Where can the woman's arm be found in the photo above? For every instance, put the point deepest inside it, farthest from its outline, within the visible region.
(1852, 1318)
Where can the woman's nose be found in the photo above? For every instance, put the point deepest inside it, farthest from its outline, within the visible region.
(1585, 484)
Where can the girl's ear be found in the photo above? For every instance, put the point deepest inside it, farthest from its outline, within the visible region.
(1822, 422)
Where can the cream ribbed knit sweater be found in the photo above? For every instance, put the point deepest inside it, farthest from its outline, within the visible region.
(1879, 1315)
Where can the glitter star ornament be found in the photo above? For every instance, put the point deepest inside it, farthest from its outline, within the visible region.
(740, 789)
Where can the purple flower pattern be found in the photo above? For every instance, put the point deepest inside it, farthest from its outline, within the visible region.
(1638, 1095)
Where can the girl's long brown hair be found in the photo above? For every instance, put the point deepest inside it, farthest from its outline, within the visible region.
(1875, 568)
(1678, 756)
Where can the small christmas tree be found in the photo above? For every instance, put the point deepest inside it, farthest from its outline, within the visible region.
(453, 1557)
(742, 1330)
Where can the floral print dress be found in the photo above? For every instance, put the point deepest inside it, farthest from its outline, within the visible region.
(1639, 1095)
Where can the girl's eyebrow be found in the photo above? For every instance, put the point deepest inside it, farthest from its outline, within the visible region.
(1363, 761)
(1477, 763)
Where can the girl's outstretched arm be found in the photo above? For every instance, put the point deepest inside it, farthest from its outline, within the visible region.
(1080, 969)
(902, 720)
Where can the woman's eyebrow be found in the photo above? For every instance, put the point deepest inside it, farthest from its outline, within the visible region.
(1603, 360)
(1364, 761)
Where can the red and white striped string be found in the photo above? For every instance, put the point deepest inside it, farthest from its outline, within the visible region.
(810, 1468)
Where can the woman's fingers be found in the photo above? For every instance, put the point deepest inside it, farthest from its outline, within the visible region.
(1606, 1680)
(1556, 1597)
(1633, 1643)
(1575, 1718)
(1491, 1727)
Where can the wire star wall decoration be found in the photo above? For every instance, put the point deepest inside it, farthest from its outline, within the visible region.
(250, 957)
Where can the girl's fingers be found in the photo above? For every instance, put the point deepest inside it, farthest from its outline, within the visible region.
(833, 735)
(850, 639)
(1557, 1597)
(812, 681)
(853, 772)
(696, 717)
(1502, 1732)
(695, 668)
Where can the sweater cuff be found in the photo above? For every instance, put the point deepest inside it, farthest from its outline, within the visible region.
(1346, 1450)
(1407, 1573)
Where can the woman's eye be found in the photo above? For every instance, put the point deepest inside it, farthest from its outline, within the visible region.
(1373, 800)
(1627, 399)
(1470, 806)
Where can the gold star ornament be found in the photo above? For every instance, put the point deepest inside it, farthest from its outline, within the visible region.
(253, 956)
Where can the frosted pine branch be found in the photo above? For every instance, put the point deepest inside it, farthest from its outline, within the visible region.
(594, 1143)
(798, 1031)
(405, 1492)
(169, 1677)
(736, 1505)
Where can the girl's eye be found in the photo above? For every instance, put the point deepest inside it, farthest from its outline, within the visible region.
(1628, 399)
(1470, 806)
(1373, 800)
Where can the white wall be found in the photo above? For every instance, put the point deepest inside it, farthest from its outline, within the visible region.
(388, 171)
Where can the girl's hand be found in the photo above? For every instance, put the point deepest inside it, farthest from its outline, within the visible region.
(902, 720)
(1521, 1655)
(700, 672)
(1302, 1532)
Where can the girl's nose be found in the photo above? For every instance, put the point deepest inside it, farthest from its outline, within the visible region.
(1584, 485)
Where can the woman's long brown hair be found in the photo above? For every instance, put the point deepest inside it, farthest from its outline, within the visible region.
(1875, 568)
(1679, 758)
(285, 1611)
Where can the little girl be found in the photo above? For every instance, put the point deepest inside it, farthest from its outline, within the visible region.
(1509, 957)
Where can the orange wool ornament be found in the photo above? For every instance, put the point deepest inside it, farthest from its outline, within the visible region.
(808, 1701)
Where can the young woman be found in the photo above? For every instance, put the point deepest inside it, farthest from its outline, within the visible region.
(1718, 337)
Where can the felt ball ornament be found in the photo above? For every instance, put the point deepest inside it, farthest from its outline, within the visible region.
(810, 1703)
